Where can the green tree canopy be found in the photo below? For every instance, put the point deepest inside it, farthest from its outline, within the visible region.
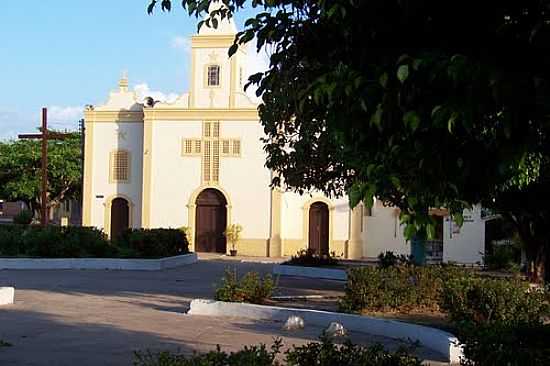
(20, 170)
(420, 103)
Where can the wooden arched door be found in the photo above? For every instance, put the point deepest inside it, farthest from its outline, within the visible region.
(319, 228)
(120, 217)
(211, 222)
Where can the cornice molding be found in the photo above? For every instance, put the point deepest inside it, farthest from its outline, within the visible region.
(249, 114)
(212, 41)
(113, 116)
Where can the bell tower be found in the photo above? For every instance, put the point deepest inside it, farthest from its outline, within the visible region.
(217, 81)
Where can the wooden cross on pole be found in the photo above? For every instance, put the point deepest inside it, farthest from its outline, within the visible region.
(44, 136)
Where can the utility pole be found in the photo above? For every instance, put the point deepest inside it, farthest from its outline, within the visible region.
(44, 136)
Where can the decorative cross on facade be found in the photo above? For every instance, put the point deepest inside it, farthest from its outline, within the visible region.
(210, 148)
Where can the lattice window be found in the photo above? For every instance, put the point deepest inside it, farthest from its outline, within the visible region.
(120, 166)
(213, 75)
(226, 147)
(198, 144)
(206, 129)
(216, 160)
(236, 148)
(206, 163)
(191, 147)
(188, 147)
(215, 129)
(241, 78)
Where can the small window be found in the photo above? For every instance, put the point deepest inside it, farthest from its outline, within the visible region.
(191, 147)
(188, 147)
(215, 129)
(225, 147)
(236, 147)
(213, 75)
(120, 166)
(241, 78)
(198, 146)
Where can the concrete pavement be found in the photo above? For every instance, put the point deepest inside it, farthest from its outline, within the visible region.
(101, 317)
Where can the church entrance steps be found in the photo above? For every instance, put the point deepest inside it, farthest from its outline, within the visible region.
(7, 295)
(98, 263)
(437, 340)
(311, 272)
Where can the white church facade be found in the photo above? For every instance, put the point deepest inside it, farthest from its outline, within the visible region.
(198, 162)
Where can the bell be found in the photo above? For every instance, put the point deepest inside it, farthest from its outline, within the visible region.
(294, 323)
(335, 329)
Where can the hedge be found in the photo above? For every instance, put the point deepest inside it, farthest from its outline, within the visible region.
(85, 242)
(150, 243)
(395, 288)
(499, 321)
(324, 353)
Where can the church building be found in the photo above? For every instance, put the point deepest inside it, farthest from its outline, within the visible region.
(199, 163)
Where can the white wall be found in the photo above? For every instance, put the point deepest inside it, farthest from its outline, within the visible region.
(247, 180)
(380, 233)
(468, 245)
(292, 220)
(108, 137)
(175, 177)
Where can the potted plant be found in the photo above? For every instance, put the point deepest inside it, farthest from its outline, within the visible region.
(233, 234)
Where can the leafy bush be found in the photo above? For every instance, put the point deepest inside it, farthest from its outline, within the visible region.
(308, 258)
(489, 300)
(153, 243)
(53, 242)
(396, 288)
(503, 257)
(248, 356)
(389, 259)
(250, 288)
(327, 353)
(497, 344)
(82, 242)
(23, 218)
(499, 321)
(323, 353)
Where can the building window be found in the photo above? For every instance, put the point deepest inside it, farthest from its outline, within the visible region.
(231, 147)
(191, 147)
(120, 166)
(213, 75)
(241, 78)
(236, 148)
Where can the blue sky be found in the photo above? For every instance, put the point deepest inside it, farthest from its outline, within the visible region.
(64, 54)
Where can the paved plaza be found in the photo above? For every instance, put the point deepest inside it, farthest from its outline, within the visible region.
(77, 317)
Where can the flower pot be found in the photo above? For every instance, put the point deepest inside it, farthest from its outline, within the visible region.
(233, 252)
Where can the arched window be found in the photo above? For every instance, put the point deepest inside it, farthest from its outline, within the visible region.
(213, 75)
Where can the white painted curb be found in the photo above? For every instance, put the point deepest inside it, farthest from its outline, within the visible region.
(435, 339)
(7, 295)
(311, 272)
(99, 263)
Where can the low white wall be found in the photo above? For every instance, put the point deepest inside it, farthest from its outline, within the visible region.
(7, 295)
(435, 339)
(311, 272)
(98, 263)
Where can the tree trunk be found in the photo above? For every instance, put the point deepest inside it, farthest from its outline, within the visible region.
(537, 262)
(536, 244)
